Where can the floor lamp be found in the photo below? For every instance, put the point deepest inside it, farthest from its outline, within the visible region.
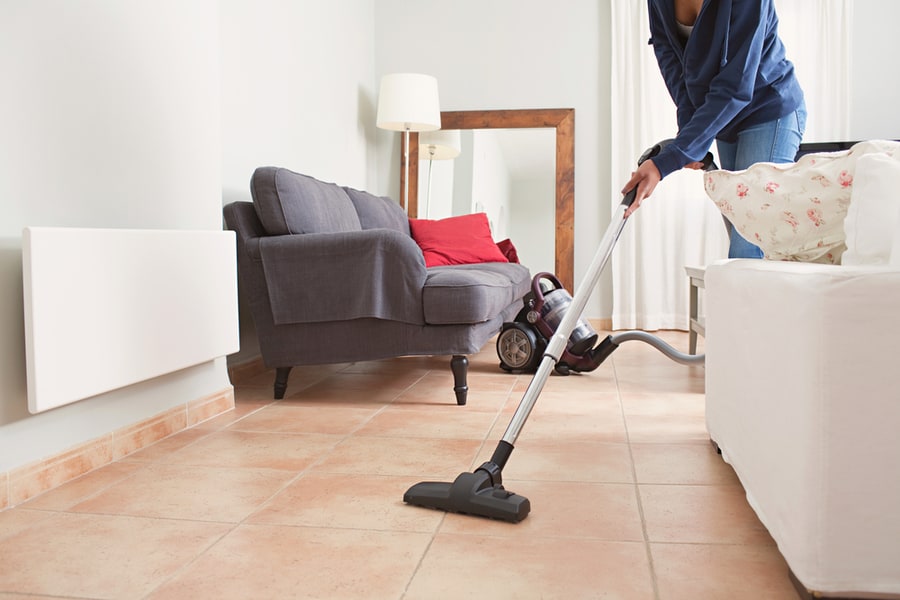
(442, 144)
(408, 102)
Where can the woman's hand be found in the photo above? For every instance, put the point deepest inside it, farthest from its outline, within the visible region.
(645, 178)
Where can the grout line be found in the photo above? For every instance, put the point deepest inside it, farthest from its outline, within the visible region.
(637, 489)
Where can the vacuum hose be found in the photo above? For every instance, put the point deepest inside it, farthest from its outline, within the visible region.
(669, 351)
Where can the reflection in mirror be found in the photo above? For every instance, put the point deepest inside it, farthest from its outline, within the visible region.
(559, 122)
(509, 174)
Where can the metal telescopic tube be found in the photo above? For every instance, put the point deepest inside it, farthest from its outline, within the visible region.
(557, 343)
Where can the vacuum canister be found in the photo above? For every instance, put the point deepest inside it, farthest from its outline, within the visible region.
(556, 303)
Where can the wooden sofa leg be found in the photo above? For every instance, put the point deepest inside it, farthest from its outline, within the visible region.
(460, 366)
(281, 379)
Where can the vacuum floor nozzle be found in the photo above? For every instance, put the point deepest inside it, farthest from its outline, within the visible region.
(470, 494)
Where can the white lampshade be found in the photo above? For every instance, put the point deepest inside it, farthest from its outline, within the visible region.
(408, 102)
(439, 145)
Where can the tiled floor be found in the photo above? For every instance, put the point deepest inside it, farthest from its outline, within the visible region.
(302, 498)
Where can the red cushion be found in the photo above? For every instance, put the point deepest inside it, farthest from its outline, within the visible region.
(456, 240)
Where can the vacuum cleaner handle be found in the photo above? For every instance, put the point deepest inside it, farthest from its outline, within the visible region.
(708, 165)
(538, 291)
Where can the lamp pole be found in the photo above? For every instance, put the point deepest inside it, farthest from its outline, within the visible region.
(406, 171)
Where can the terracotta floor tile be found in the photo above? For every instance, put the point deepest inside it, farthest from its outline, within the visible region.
(665, 418)
(435, 387)
(93, 556)
(575, 402)
(256, 450)
(303, 497)
(15, 520)
(473, 566)
(89, 484)
(262, 561)
(564, 460)
(164, 448)
(660, 379)
(194, 493)
(288, 418)
(667, 430)
(395, 380)
(562, 422)
(681, 464)
(430, 422)
(358, 502)
(433, 459)
(405, 364)
(300, 377)
(703, 514)
(669, 404)
(490, 378)
(736, 572)
(477, 400)
(563, 509)
(600, 380)
(324, 393)
(239, 411)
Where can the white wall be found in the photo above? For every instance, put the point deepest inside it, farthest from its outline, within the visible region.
(151, 115)
(298, 90)
(110, 118)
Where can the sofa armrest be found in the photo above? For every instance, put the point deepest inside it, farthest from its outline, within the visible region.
(319, 277)
(801, 398)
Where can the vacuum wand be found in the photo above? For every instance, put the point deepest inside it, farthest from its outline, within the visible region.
(558, 342)
(481, 492)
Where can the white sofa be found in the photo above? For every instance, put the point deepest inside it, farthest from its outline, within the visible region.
(803, 397)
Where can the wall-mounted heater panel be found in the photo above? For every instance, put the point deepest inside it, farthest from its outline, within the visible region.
(106, 308)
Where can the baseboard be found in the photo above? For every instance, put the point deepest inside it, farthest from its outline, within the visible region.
(23, 483)
(601, 324)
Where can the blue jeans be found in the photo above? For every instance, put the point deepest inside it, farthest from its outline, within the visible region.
(777, 142)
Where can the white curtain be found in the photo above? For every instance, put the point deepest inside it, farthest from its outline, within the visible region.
(679, 226)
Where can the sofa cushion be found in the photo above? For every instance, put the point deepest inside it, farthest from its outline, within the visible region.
(794, 211)
(378, 212)
(872, 218)
(472, 293)
(461, 240)
(290, 203)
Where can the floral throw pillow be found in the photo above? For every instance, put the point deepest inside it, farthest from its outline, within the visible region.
(794, 211)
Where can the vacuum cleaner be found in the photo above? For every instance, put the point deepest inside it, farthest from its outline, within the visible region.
(548, 334)
(522, 343)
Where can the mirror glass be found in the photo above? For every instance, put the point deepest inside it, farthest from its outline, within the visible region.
(509, 174)
(517, 166)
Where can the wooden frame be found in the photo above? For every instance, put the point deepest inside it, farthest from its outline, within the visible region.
(560, 119)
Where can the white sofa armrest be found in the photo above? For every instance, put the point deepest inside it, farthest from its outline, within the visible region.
(803, 399)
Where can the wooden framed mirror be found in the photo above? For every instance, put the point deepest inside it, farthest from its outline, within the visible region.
(560, 119)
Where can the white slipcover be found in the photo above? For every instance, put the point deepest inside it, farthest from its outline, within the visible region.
(803, 398)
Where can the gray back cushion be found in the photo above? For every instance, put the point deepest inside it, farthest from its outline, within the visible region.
(378, 212)
(288, 202)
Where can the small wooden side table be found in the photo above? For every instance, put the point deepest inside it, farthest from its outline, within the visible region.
(697, 323)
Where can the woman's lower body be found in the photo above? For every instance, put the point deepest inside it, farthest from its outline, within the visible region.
(777, 142)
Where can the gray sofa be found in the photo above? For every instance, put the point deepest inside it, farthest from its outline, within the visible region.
(332, 275)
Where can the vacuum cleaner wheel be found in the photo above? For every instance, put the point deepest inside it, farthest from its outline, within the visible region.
(518, 347)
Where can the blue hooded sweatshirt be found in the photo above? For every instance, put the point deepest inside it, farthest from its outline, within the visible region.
(730, 74)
